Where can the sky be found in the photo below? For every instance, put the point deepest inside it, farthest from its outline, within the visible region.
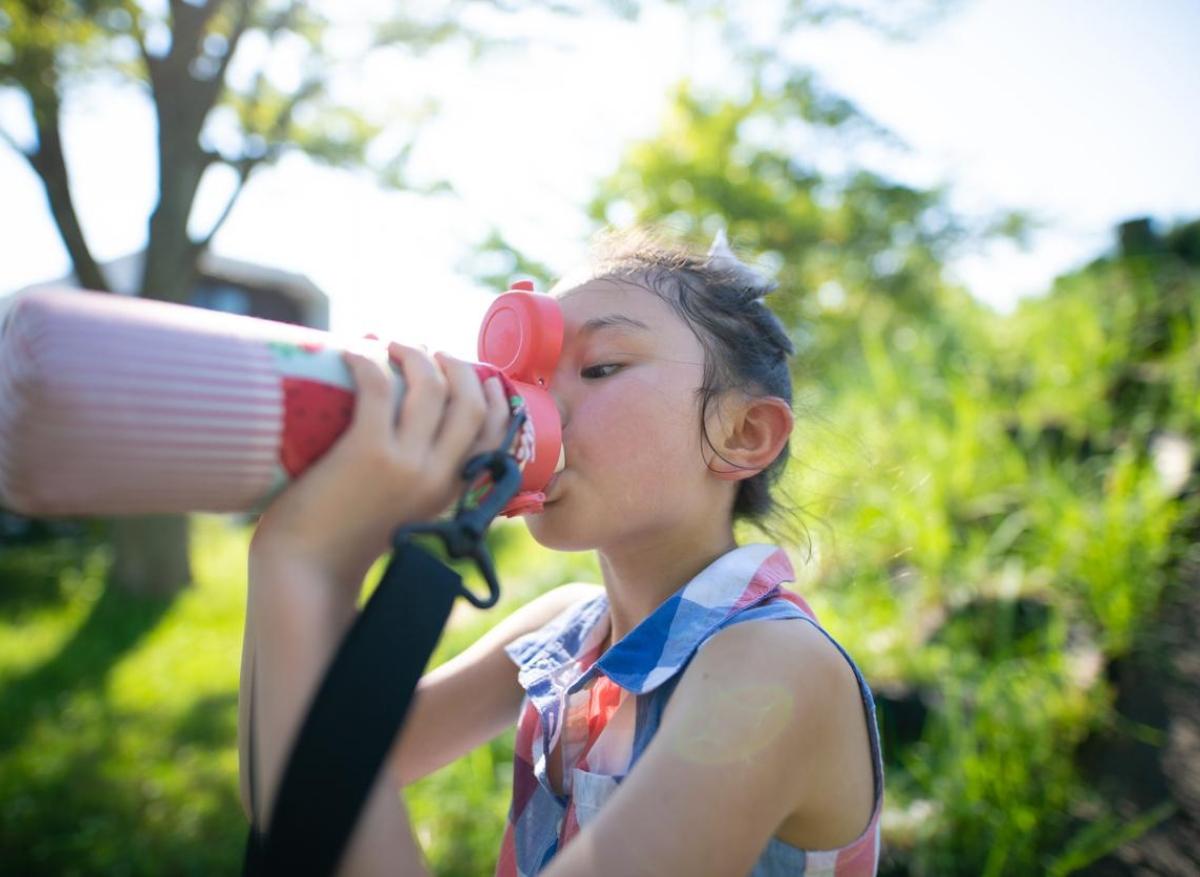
(1085, 112)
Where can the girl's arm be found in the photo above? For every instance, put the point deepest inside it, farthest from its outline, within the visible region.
(461, 704)
(766, 725)
(245, 689)
(293, 626)
(295, 622)
(475, 695)
(316, 541)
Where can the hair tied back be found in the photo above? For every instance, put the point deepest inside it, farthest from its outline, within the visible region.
(722, 259)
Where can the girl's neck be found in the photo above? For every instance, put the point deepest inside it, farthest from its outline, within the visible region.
(638, 579)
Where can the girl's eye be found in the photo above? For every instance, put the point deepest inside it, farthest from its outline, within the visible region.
(594, 368)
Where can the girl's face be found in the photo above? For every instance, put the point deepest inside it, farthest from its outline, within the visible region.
(627, 391)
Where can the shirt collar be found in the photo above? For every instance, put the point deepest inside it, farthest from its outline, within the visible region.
(664, 641)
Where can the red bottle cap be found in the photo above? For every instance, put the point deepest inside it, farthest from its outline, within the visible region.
(530, 502)
(522, 334)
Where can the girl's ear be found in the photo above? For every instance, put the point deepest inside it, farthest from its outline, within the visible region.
(753, 432)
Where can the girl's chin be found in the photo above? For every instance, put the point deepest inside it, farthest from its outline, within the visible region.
(551, 530)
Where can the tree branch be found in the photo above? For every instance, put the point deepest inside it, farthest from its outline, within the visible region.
(310, 88)
(246, 165)
(188, 24)
(245, 8)
(182, 102)
(139, 37)
(212, 88)
(175, 82)
(244, 168)
(17, 148)
(49, 162)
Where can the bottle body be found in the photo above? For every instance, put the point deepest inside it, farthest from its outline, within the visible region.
(112, 405)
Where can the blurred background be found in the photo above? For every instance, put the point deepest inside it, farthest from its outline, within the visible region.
(984, 218)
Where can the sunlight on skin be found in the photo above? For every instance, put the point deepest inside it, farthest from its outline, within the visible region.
(756, 715)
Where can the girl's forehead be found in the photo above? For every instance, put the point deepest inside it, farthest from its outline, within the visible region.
(599, 298)
(601, 307)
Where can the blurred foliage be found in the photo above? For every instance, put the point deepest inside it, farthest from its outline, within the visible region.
(991, 504)
(992, 515)
(851, 245)
(495, 264)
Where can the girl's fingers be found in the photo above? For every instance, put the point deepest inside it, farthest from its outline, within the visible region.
(424, 400)
(498, 415)
(373, 395)
(466, 409)
(446, 413)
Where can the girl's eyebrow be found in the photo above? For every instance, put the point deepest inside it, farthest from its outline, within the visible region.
(612, 321)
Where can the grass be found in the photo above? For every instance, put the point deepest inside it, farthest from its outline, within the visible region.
(118, 716)
(118, 719)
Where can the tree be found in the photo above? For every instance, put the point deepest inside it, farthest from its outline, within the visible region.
(180, 53)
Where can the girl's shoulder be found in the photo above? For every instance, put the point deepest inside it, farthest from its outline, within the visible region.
(802, 657)
(792, 695)
(753, 647)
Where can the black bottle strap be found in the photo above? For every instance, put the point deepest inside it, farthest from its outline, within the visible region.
(365, 694)
(354, 720)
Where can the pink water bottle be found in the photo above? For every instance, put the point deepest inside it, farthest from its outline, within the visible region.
(113, 405)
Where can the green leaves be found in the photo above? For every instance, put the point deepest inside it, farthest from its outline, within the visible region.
(963, 465)
(757, 165)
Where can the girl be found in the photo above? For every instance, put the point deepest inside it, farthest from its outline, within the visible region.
(666, 724)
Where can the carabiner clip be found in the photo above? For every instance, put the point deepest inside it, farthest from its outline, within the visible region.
(463, 534)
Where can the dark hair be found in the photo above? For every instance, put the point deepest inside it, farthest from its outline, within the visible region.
(746, 347)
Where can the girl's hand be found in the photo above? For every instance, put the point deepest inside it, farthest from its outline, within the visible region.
(337, 518)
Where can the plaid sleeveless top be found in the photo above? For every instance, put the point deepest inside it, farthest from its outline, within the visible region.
(606, 727)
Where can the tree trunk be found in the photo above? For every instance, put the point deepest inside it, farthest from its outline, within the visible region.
(150, 554)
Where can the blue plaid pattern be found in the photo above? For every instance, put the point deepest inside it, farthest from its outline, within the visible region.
(606, 707)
